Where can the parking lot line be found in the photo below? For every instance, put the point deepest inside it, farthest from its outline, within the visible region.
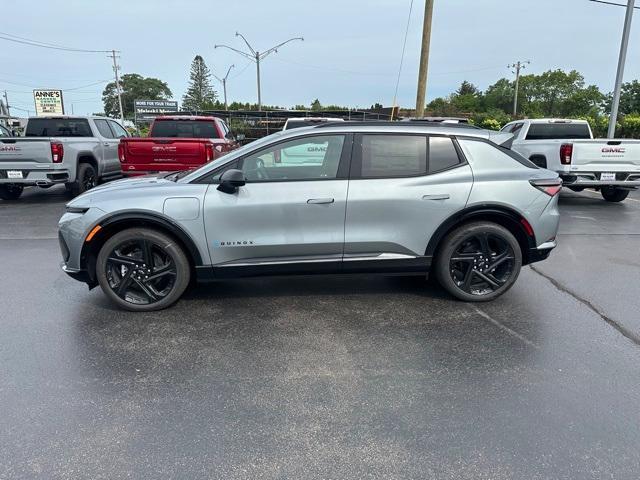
(506, 329)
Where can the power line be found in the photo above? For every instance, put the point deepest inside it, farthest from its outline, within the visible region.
(36, 43)
(611, 3)
(404, 47)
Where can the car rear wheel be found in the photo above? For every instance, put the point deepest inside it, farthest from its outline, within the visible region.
(87, 178)
(142, 270)
(478, 262)
(613, 194)
(10, 192)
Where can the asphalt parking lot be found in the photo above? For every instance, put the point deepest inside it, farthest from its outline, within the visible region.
(326, 377)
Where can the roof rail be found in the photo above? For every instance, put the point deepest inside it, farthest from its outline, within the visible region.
(384, 123)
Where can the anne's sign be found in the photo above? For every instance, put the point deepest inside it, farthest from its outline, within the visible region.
(48, 102)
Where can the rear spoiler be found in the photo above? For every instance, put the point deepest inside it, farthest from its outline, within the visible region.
(503, 139)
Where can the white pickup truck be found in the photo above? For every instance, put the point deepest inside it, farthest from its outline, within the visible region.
(568, 147)
(76, 151)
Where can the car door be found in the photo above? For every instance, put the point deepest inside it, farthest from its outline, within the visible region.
(289, 216)
(402, 188)
(110, 161)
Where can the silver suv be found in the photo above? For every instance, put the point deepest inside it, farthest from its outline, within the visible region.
(335, 198)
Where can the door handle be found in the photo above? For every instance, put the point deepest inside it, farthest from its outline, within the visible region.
(442, 196)
(318, 201)
(106, 144)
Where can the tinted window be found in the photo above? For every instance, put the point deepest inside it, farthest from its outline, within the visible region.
(306, 123)
(553, 131)
(4, 132)
(58, 127)
(393, 156)
(103, 128)
(308, 158)
(184, 129)
(442, 154)
(118, 129)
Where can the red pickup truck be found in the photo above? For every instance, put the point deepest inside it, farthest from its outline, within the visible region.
(176, 143)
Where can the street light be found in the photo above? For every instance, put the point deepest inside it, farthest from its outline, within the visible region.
(615, 104)
(223, 80)
(256, 56)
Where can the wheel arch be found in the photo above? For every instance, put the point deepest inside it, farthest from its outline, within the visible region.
(499, 214)
(121, 221)
(539, 159)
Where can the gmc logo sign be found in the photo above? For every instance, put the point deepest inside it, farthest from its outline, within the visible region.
(613, 150)
(163, 149)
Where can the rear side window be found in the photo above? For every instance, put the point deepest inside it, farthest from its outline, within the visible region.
(58, 127)
(491, 155)
(556, 131)
(442, 154)
(118, 130)
(103, 128)
(184, 129)
(393, 156)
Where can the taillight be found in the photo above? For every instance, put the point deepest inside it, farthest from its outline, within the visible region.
(57, 152)
(121, 152)
(208, 152)
(549, 186)
(566, 151)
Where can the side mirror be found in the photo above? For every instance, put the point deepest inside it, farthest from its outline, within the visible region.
(231, 180)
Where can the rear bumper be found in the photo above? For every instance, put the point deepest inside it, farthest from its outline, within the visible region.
(592, 179)
(39, 177)
(542, 252)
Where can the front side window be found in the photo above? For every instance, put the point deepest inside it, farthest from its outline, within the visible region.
(103, 128)
(4, 132)
(393, 156)
(118, 129)
(307, 158)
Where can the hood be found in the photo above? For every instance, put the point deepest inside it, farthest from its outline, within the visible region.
(147, 181)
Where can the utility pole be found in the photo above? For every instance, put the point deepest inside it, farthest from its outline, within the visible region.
(424, 58)
(6, 103)
(223, 80)
(615, 104)
(116, 67)
(256, 56)
(518, 66)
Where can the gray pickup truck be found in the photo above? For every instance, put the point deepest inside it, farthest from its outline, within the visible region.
(79, 152)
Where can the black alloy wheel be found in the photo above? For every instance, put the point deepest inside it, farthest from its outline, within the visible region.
(140, 272)
(142, 269)
(482, 263)
(478, 261)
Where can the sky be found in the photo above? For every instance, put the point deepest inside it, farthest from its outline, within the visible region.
(350, 55)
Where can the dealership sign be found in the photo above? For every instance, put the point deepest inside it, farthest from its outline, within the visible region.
(147, 110)
(48, 102)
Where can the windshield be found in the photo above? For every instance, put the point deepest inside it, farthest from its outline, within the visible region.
(198, 172)
(184, 129)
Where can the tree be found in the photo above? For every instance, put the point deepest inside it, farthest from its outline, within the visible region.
(500, 95)
(629, 99)
(467, 88)
(316, 106)
(133, 87)
(200, 94)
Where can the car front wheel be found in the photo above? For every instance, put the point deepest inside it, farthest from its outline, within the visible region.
(478, 262)
(142, 270)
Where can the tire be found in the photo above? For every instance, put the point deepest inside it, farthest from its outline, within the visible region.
(11, 191)
(613, 194)
(576, 189)
(474, 245)
(86, 179)
(123, 259)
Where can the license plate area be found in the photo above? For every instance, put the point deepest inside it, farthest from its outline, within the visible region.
(607, 177)
(14, 174)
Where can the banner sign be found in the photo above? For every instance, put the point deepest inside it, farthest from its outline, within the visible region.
(48, 102)
(147, 110)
